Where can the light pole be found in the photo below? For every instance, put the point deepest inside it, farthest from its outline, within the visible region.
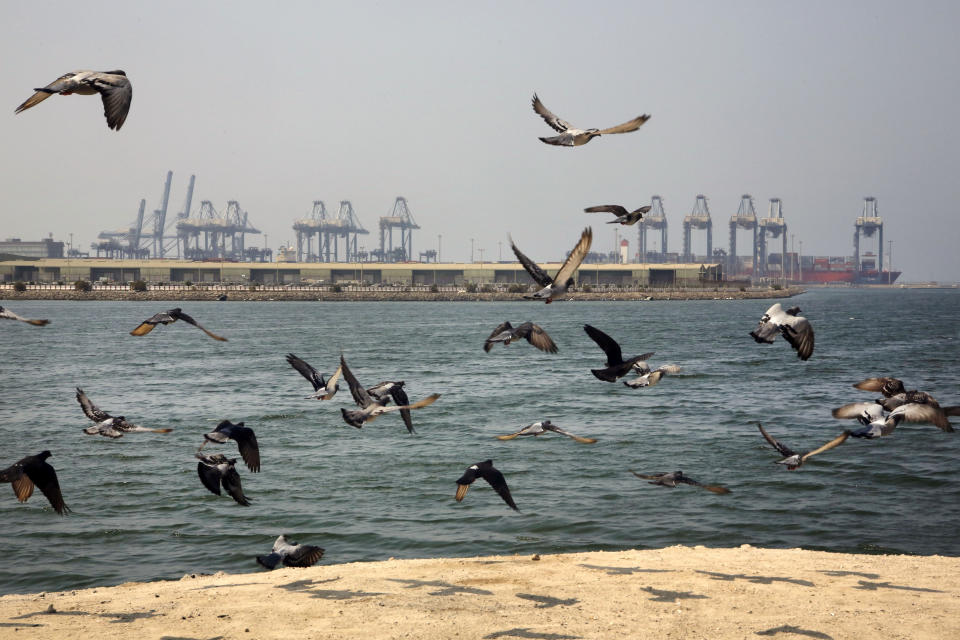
(439, 245)
(471, 250)
(800, 261)
(265, 238)
(500, 250)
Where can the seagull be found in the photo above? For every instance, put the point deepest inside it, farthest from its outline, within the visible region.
(616, 366)
(486, 471)
(571, 137)
(6, 314)
(291, 554)
(648, 378)
(35, 470)
(246, 441)
(108, 425)
(791, 458)
(671, 480)
(113, 86)
(558, 285)
(370, 408)
(217, 469)
(324, 389)
(795, 329)
(167, 317)
(540, 428)
(533, 333)
(623, 216)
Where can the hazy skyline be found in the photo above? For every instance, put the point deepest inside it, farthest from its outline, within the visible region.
(819, 104)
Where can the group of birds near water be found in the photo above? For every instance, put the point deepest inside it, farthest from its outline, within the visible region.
(217, 472)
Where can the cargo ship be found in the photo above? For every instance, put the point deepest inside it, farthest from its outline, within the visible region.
(823, 269)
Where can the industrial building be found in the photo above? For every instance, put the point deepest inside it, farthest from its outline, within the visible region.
(46, 248)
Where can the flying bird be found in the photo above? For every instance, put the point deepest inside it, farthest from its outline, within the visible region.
(540, 428)
(244, 436)
(371, 407)
(558, 285)
(671, 479)
(616, 367)
(167, 317)
(623, 216)
(215, 470)
(486, 471)
(6, 314)
(325, 389)
(35, 471)
(794, 328)
(572, 137)
(533, 333)
(113, 86)
(876, 424)
(384, 392)
(648, 378)
(108, 425)
(918, 406)
(793, 459)
(290, 554)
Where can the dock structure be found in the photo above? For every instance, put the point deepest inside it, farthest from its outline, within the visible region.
(776, 227)
(746, 218)
(866, 225)
(223, 235)
(142, 238)
(307, 228)
(653, 219)
(699, 218)
(399, 218)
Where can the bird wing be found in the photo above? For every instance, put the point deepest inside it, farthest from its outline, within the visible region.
(518, 433)
(401, 400)
(499, 483)
(66, 82)
(615, 209)
(766, 331)
(303, 555)
(783, 449)
(180, 315)
(464, 481)
(209, 476)
(21, 483)
(536, 336)
(91, 410)
(655, 476)
(915, 412)
(269, 561)
(708, 487)
(608, 344)
(555, 123)
(117, 93)
(332, 380)
(852, 410)
(6, 314)
(416, 405)
(247, 443)
(888, 386)
(836, 442)
(143, 328)
(231, 482)
(360, 395)
(550, 427)
(576, 257)
(503, 326)
(627, 127)
(539, 276)
(799, 333)
(306, 371)
(45, 477)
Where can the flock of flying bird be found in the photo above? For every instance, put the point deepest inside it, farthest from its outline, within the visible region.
(218, 473)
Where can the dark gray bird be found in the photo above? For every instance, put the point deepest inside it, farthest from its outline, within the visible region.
(371, 407)
(540, 428)
(623, 216)
(671, 479)
(325, 389)
(556, 286)
(166, 317)
(215, 470)
(388, 390)
(794, 459)
(795, 329)
(493, 476)
(246, 441)
(35, 471)
(108, 425)
(533, 333)
(290, 554)
(572, 137)
(647, 378)
(616, 365)
(113, 86)
(6, 314)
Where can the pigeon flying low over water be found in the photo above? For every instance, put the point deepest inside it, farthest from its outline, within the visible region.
(558, 285)
(571, 137)
(532, 333)
(113, 86)
(108, 425)
(370, 407)
(246, 441)
(649, 378)
(291, 554)
(215, 470)
(623, 216)
(35, 471)
(793, 459)
(616, 365)
(486, 471)
(6, 314)
(919, 406)
(876, 423)
(388, 390)
(540, 428)
(795, 329)
(671, 479)
(325, 389)
(167, 317)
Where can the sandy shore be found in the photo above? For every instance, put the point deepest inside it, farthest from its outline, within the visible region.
(678, 592)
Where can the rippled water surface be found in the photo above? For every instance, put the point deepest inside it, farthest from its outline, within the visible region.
(140, 512)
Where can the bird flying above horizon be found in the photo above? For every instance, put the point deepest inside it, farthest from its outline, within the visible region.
(557, 285)
(573, 137)
(167, 317)
(113, 86)
(622, 216)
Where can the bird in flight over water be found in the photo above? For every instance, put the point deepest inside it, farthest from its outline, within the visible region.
(106, 424)
(794, 328)
(622, 216)
(671, 479)
(493, 477)
(506, 333)
(167, 317)
(113, 86)
(324, 389)
(795, 459)
(616, 367)
(6, 314)
(35, 471)
(556, 286)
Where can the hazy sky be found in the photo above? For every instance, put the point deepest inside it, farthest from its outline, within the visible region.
(818, 103)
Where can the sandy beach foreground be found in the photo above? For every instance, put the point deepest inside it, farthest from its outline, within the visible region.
(677, 592)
